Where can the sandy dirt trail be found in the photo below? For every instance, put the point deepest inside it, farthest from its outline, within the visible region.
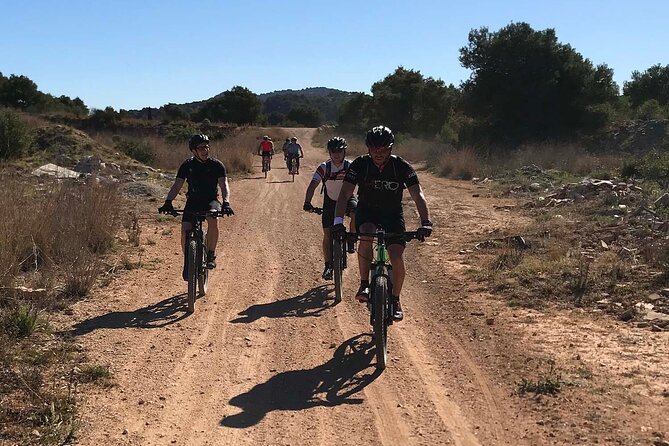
(267, 358)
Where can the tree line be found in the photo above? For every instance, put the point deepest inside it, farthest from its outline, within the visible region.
(524, 85)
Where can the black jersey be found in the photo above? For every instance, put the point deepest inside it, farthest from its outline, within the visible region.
(202, 178)
(381, 188)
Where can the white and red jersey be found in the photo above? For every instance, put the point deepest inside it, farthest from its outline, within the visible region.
(332, 176)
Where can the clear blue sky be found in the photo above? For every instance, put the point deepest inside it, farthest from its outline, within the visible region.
(131, 54)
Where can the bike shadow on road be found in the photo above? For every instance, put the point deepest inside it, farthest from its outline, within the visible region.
(282, 181)
(334, 383)
(310, 304)
(261, 177)
(161, 314)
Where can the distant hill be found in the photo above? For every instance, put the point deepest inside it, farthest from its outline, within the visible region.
(326, 100)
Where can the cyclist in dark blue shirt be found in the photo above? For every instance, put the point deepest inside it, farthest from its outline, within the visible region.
(204, 176)
(381, 179)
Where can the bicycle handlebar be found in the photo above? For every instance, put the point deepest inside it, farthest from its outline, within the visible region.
(208, 213)
(406, 236)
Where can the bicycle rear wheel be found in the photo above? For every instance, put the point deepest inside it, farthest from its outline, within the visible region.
(203, 276)
(338, 262)
(379, 296)
(192, 273)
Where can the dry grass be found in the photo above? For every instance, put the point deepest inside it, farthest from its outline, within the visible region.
(461, 165)
(51, 234)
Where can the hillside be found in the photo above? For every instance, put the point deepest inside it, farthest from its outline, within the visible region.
(326, 100)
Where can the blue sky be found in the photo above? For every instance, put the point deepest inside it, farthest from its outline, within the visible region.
(131, 54)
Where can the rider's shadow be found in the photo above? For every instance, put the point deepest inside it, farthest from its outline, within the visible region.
(331, 384)
(282, 181)
(310, 304)
(165, 312)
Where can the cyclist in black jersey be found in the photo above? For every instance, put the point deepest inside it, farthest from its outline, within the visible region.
(204, 176)
(381, 179)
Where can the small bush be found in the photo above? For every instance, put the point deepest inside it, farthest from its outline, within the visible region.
(95, 373)
(136, 149)
(460, 165)
(13, 135)
(23, 321)
(549, 384)
(81, 275)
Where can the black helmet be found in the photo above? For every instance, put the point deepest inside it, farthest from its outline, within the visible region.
(197, 140)
(380, 136)
(337, 144)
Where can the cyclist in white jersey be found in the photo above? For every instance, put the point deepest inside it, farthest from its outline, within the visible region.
(331, 174)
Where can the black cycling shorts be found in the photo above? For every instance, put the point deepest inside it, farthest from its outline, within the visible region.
(392, 221)
(198, 206)
(327, 218)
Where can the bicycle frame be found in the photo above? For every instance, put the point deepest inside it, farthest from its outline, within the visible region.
(380, 304)
(195, 251)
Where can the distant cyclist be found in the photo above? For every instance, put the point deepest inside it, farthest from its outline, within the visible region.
(204, 176)
(381, 179)
(293, 151)
(331, 175)
(284, 146)
(266, 149)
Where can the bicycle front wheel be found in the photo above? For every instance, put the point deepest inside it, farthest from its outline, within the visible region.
(380, 298)
(192, 273)
(338, 262)
(203, 276)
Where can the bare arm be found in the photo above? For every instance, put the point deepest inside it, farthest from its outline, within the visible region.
(225, 189)
(416, 193)
(174, 190)
(310, 191)
(346, 192)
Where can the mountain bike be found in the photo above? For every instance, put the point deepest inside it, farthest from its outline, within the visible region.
(195, 255)
(380, 304)
(293, 166)
(266, 164)
(337, 260)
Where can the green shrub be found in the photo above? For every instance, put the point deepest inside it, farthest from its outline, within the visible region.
(651, 109)
(136, 149)
(13, 135)
(22, 321)
(181, 133)
(655, 167)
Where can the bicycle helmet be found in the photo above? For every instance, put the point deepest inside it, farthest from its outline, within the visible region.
(294, 138)
(380, 136)
(337, 144)
(265, 137)
(197, 140)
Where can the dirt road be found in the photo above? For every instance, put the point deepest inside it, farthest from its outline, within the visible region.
(267, 358)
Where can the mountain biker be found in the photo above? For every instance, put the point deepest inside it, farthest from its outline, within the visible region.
(266, 149)
(293, 150)
(204, 176)
(331, 175)
(381, 178)
(284, 146)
